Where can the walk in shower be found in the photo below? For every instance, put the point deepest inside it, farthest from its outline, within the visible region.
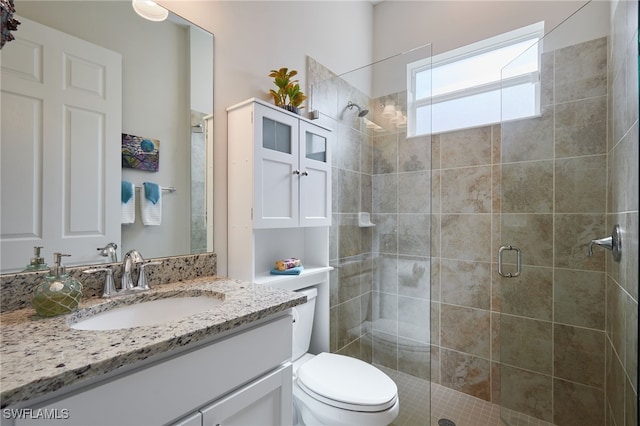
(417, 290)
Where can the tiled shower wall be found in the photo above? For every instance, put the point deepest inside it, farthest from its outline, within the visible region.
(554, 320)
(622, 208)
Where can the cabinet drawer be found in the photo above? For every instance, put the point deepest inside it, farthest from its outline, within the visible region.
(171, 388)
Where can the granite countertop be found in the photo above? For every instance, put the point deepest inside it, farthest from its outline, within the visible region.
(42, 355)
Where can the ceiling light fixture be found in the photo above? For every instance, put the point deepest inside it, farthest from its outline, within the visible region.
(150, 10)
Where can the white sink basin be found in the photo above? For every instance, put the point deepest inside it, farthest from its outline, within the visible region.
(152, 312)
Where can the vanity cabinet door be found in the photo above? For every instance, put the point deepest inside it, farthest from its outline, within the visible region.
(266, 402)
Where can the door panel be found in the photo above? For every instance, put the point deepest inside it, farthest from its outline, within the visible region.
(60, 145)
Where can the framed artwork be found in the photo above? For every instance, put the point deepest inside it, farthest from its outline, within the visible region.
(140, 153)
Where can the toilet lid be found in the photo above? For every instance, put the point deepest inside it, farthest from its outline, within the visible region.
(346, 382)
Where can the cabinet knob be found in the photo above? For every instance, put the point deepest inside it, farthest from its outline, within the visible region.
(305, 173)
(296, 172)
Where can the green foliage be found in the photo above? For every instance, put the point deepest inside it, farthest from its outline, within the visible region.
(288, 93)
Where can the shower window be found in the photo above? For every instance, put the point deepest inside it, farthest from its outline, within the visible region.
(462, 88)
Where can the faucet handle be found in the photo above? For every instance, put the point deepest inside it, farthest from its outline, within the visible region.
(143, 284)
(109, 286)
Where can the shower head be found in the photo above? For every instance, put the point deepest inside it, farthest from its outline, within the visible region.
(361, 112)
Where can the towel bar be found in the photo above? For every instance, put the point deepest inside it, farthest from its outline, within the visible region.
(164, 188)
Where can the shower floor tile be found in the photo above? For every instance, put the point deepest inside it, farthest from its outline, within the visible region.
(418, 395)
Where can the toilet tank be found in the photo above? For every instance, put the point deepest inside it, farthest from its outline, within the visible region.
(303, 322)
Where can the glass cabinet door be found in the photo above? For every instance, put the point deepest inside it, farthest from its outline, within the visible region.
(315, 176)
(276, 135)
(276, 173)
(315, 146)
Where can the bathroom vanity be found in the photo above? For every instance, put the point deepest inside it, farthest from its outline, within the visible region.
(230, 363)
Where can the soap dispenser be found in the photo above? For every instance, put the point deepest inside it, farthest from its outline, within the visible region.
(37, 262)
(59, 293)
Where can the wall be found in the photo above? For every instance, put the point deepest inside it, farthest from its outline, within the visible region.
(451, 24)
(254, 37)
(622, 208)
(148, 112)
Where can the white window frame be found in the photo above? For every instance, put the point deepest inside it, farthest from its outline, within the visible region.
(533, 32)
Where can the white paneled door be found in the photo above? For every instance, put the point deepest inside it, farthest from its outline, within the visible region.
(61, 100)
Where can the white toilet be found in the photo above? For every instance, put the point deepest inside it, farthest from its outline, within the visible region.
(331, 389)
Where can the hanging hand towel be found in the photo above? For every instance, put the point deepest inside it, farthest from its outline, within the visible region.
(128, 199)
(151, 203)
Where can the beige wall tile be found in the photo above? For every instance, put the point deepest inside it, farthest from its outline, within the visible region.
(531, 233)
(581, 127)
(414, 192)
(580, 184)
(465, 330)
(529, 139)
(578, 355)
(463, 148)
(581, 70)
(465, 373)
(579, 298)
(527, 187)
(466, 236)
(526, 392)
(529, 295)
(466, 190)
(577, 405)
(526, 343)
(466, 283)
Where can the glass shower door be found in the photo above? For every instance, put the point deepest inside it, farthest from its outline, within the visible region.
(551, 178)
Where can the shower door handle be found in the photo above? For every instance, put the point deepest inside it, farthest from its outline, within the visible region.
(518, 263)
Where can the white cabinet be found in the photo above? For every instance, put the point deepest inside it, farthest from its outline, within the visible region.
(240, 376)
(279, 203)
(279, 168)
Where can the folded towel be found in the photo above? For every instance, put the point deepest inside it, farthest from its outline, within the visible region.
(292, 271)
(128, 198)
(151, 204)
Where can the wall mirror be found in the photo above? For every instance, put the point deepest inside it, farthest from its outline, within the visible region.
(166, 95)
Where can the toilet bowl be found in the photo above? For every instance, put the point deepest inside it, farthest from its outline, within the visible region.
(332, 389)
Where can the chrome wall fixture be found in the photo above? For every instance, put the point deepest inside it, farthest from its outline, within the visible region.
(612, 243)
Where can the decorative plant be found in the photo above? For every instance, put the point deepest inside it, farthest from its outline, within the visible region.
(288, 93)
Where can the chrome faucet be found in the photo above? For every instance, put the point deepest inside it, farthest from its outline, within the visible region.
(109, 251)
(132, 258)
(128, 261)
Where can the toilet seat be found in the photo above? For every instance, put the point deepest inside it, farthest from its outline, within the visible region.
(347, 383)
